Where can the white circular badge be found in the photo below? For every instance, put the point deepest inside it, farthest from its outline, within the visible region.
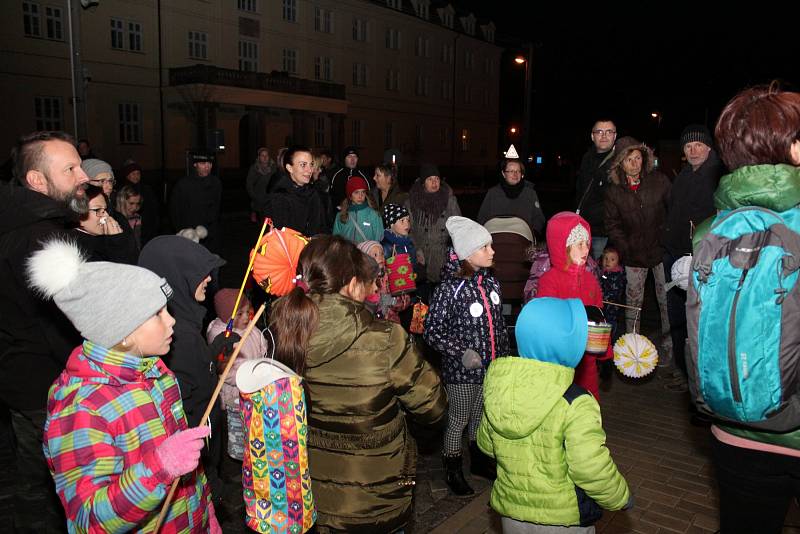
(475, 309)
(495, 298)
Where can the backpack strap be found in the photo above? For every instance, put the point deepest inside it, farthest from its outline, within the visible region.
(573, 392)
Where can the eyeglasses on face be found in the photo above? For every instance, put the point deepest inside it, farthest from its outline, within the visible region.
(99, 211)
(512, 171)
(601, 133)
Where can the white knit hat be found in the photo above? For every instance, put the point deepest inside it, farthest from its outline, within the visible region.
(467, 235)
(105, 301)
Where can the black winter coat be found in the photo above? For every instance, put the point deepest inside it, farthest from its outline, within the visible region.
(297, 207)
(691, 202)
(459, 318)
(185, 264)
(197, 201)
(35, 337)
(590, 187)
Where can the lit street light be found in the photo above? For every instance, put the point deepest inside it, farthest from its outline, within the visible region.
(526, 125)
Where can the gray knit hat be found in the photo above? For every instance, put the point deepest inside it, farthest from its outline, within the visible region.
(105, 301)
(467, 235)
(93, 167)
(696, 133)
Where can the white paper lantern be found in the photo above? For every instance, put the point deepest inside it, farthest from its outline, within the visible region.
(635, 356)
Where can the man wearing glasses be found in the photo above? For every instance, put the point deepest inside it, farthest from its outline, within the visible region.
(591, 181)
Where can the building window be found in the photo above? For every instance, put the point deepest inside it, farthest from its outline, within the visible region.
(464, 140)
(392, 80)
(486, 98)
(447, 19)
(247, 5)
(418, 135)
(469, 24)
(422, 85)
(358, 125)
(467, 94)
(447, 90)
(323, 68)
(423, 8)
(248, 56)
(130, 123)
(134, 36)
(359, 30)
(488, 66)
(469, 59)
(48, 112)
(444, 137)
(31, 21)
(388, 135)
(394, 4)
(319, 131)
(54, 23)
(447, 53)
(423, 48)
(488, 32)
(393, 38)
(132, 41)
(323, 20)
(360, 74)
(290, 10)
(117, 36)
(290, 60)
(198, 45)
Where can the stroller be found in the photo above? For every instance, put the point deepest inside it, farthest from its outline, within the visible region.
(511, 238)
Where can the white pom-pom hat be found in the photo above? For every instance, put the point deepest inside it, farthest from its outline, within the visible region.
(105, 301)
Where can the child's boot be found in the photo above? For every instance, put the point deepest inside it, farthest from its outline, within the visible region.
(455, 476)
(480, 464)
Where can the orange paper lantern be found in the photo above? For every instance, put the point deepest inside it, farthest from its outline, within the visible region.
(275, 263)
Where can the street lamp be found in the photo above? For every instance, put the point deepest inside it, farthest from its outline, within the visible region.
(526, 125)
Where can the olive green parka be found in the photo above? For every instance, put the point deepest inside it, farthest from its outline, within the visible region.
(362, 376)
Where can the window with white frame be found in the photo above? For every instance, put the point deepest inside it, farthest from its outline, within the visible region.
(447, 90)
(359, 30)
(392, 80)
(126, 35)
(488, 32)
(31, 19)
(198, 45)
(394, 4)
(49, 112)
(388, 135)
(447, 17)
(357, 127)
(469, 59)
(447, 53)
(360, 74)
(54, 23)
(469, 24)
(134, 36)
(319, 131)
(117, 34)
(465, 137)
(422, 85)
(423, 47)
(247, 5)
(393, 38)
(289, 10)
(323, 20)
(422, 8)
(248, 56)
(290, 60)
(130, 123)
(323, 68)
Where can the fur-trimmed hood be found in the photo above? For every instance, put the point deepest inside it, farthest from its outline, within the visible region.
(623, 148)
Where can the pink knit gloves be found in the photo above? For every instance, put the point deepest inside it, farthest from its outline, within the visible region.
(180, 453)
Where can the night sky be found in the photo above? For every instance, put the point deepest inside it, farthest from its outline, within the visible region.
(674, 60)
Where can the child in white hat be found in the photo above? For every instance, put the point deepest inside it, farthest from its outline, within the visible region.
(116, 435)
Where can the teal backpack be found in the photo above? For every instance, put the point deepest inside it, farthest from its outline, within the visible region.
(743, 314)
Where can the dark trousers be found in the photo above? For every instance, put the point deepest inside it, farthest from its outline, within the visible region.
(676, 311)
(36, 505)
(755, 488)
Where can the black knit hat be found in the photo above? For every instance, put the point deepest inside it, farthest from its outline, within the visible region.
(428, 169)
(393, 213)
(350, 150)
(696, 133)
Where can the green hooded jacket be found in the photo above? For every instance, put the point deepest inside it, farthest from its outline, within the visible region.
(553, 466)
(775, 187)
(362, 376)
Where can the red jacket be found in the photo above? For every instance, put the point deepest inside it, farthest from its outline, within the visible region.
(573, 281)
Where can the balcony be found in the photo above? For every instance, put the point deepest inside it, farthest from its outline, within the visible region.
(277, 82)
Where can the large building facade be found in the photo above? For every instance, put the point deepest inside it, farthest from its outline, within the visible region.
(417, 77)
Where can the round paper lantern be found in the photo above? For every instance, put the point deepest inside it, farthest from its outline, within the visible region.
(275, 264)
(635, 356)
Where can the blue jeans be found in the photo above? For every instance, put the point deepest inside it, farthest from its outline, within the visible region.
(599, 243)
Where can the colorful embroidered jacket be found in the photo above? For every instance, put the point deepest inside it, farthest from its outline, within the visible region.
(106, 414)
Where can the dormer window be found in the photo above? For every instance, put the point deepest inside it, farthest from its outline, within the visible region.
(422, 8)
(488, 32)
(469, 24)
(447, 15)
(394, 4)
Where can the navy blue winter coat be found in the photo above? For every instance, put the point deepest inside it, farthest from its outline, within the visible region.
(466, 314)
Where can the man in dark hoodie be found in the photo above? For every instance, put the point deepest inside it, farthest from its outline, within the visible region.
(339, 179)
(187, 266)
(592, 180)
(35, 337)
(691, 202)
(196, 200)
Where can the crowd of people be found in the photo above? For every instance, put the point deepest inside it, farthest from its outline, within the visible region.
(110, 356)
